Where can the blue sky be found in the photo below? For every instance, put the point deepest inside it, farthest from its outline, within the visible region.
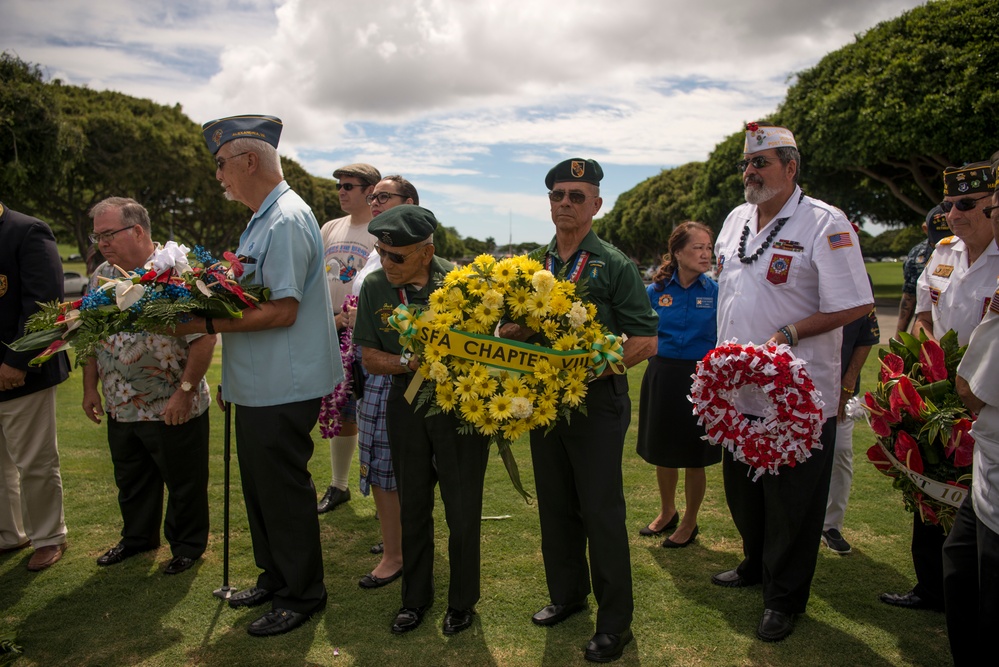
(472, 101)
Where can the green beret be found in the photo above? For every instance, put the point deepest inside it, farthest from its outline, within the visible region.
(364, 172)
(971, 178)
(224, 130)
(403, 225)
(575, 169)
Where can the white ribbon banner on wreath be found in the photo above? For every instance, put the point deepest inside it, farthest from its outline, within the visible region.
(945, 493)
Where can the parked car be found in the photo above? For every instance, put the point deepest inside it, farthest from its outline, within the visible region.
(74, 284)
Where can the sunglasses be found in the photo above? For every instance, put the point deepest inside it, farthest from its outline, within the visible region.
(394, 256)
(758, 162)
(382, 197)
(220, 161)
(349, 186)
(965, 204)
(575, 196)
(988, 211)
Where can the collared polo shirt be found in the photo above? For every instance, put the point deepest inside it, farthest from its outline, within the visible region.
(957, 294)
(687, 327)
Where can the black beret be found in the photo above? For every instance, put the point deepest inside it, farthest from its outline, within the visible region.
(575, 169)
(403, 225)
(223, 130)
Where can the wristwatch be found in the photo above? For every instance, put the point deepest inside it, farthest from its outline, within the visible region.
(186, 386)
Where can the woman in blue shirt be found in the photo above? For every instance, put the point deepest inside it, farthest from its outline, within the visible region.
(685, 298)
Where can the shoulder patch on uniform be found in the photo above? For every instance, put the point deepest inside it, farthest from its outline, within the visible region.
(839, 240)
(947, 240)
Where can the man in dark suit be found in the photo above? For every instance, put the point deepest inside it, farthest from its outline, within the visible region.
(31, 509)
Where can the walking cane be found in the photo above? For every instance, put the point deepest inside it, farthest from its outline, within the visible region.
(225, 592)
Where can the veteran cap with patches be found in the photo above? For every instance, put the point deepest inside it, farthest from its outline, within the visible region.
(223, 130)
(936, 225)
(361, 171)
(403, 225)
(969, 179)
(763, 136)
(575, 169)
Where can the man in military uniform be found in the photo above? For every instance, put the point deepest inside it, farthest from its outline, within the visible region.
(425, 449)
(278, 361)
(953, 292)
(790, 272)
(577, 465)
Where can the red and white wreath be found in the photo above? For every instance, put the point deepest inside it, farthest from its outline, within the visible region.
(792, 421)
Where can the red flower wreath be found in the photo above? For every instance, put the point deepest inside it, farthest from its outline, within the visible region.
(793, 421)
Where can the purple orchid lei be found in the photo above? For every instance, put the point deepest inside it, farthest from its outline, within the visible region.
(330, 417)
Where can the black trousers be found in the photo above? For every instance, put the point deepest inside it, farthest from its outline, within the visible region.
(927, 559)
(577, 473)
(425, 451)
(780, 520)
(149, 455)
(971, 587)
(274, 446)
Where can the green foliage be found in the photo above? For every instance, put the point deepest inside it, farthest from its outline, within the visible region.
(880, 118)
(643, 218)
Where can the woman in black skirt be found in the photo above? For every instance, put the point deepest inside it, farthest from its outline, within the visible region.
(685, 298)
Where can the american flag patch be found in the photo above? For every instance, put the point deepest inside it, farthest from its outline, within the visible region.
(839, 240)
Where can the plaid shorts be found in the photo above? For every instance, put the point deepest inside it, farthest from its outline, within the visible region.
(372, 435)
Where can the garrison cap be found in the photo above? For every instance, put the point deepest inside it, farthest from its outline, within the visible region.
(969, 179)
(224, 130)
(403, 225)
(575, 169)
(936, 225)
(364, 172)
(761, 136)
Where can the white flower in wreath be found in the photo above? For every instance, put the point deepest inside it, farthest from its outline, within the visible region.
(171, 256)
(521, 408)
(492, 299)
(543, 281)
(577, 315)
(438, 372)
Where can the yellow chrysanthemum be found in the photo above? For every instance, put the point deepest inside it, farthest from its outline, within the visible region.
(492, 299)
(487, 387)
(489, 425)
(478, 372)
(461, 366)
(484, 264)
(438, 300)
(473, 410)
(550, 329)
(543, 281)
(455, 299)
(445, 396)
(544, 414)
(577, 374)
(512, 385)
(500, 406)
(537, 304)
(432, 354)
(486, 315)
(559, 304)
(464, 388)
(437, 371)
(574, 393)
(513, 430)
(566, 342)
(516, 300)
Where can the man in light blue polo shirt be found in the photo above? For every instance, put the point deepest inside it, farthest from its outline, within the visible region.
(278, 361)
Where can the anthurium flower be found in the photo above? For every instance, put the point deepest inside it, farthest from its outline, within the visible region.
(127, 293)
(961, 445)
(931, 357)
(892, 366)
(876, 455)
(235, 266)
(49, 352)
(904, 397)
(907, 451)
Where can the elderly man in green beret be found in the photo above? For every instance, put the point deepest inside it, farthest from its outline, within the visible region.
(425, 449)
(577, 465)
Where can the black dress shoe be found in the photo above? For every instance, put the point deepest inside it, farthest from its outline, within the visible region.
(278, 621)
(672, 523)
(251, 597)
(556, 613)
(731, 579)
(371, 581)
(607, 648)
(408, 618)
(332, 498)
(456, 620)
(668, 543)
(179, 564)
(775, 625)
(909, 601)
(118, 553)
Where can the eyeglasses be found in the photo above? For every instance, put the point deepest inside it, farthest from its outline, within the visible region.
(394, 256)
(965, 204)
(100, 237)
(382, 197)
(220, 161)
(758, 162)
(350, 186)
(575, 196)
(988, 211)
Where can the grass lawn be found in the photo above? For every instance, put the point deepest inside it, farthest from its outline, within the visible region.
(887, 277)
(130, 614)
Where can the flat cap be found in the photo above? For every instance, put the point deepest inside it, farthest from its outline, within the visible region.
(575, 169)
(364, 172)
(223, 130)
(403, 225)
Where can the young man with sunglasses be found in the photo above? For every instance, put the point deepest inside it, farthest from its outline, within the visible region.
(953, 292)
(347, 245)
(425, 449)
(789, 272)
(577, 464)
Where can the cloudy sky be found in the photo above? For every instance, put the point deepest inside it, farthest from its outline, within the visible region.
(471, 100)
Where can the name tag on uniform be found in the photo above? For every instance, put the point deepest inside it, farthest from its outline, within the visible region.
(943, 270)
(704, 302)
